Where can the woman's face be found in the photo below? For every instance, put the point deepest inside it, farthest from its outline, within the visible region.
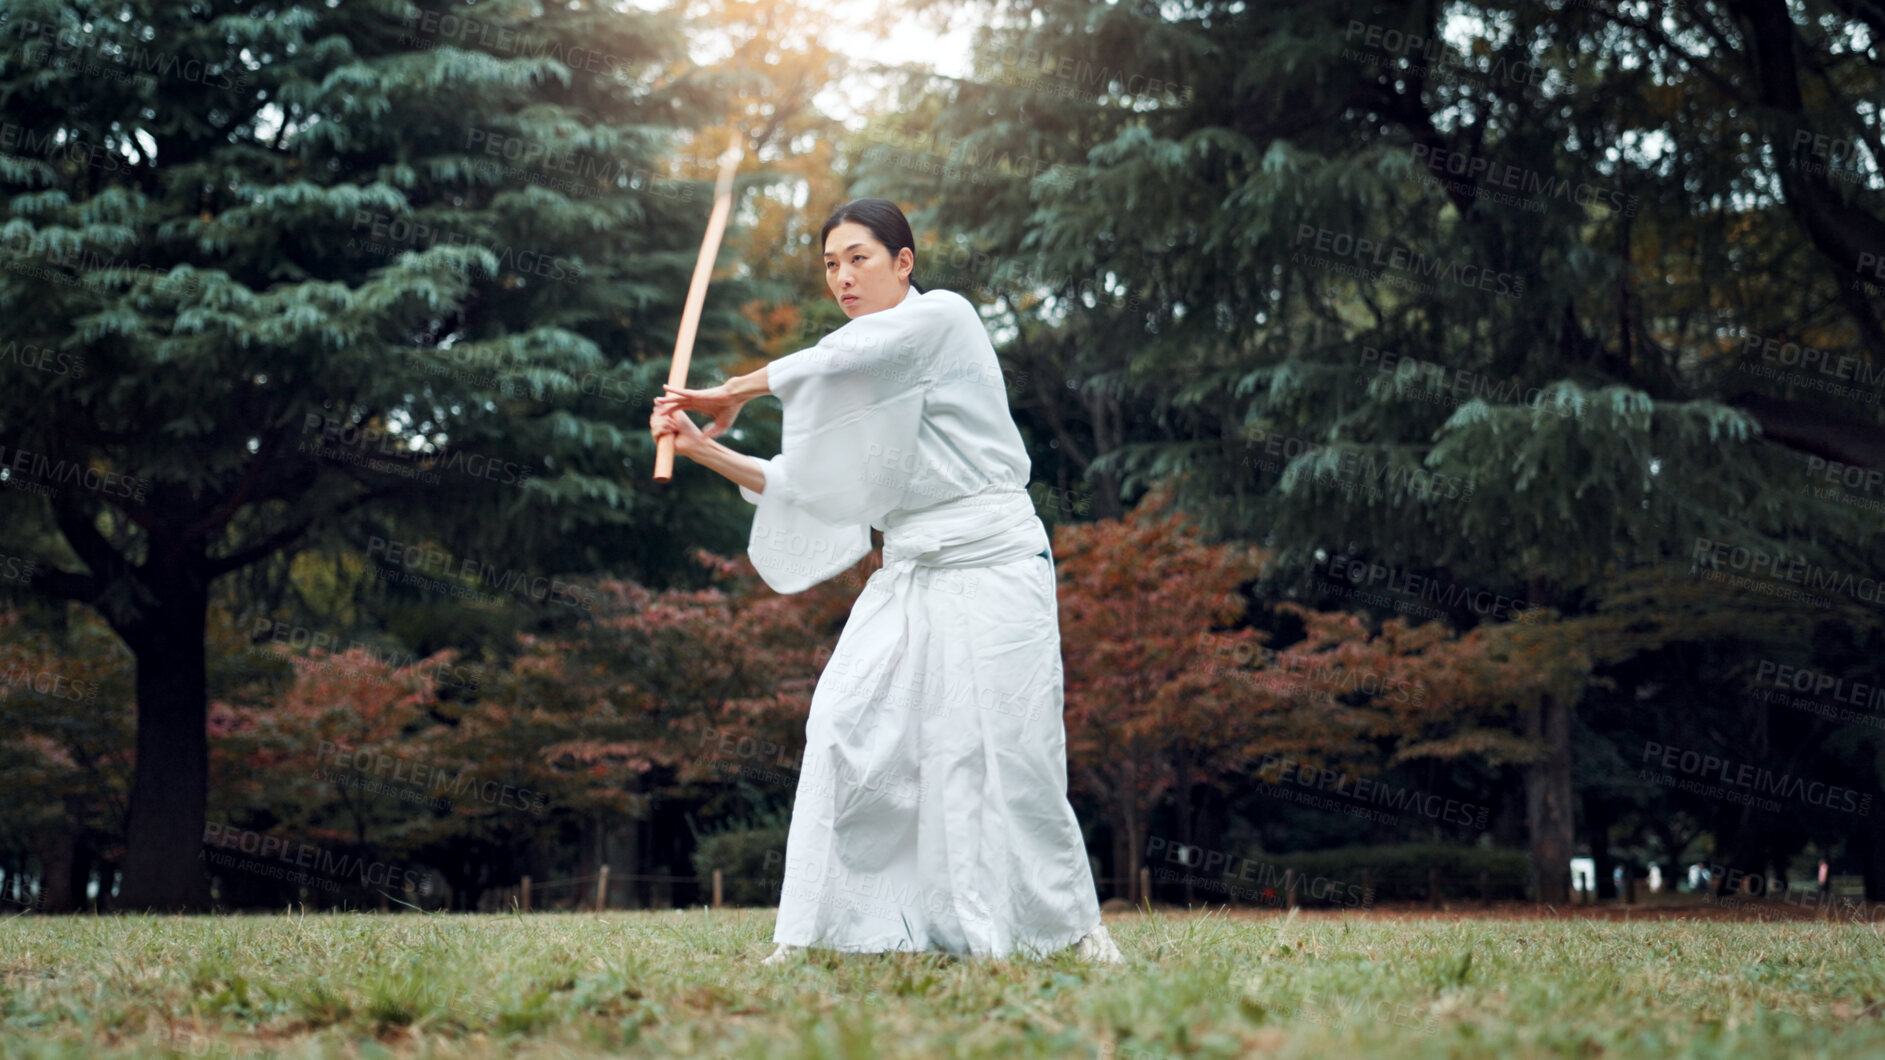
(863, 275)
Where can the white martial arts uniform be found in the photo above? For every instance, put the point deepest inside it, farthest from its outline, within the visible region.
(932, 807)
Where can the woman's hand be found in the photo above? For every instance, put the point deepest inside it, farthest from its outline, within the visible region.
(688, 439)
(715, 401)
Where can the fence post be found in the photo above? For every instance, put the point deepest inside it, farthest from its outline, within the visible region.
(1145, 884)
(602, 889)
(716, 889)
(1290, 879)
(1433, 885)
(524, 902)
(1485, 887)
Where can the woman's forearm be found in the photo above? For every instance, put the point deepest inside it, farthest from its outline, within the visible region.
(749, 386)
(739, 467)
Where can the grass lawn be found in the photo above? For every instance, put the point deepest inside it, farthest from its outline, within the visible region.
(689, 984)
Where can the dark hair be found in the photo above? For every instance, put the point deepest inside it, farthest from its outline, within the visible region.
(885, 221)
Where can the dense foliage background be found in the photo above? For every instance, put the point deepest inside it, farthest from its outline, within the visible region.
(1460, 427)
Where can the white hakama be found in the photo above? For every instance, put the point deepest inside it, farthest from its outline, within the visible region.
(932, 807)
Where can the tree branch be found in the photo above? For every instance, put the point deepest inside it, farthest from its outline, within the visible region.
(1811, 428)
(55, 584)
(106, 563)
(285, 536)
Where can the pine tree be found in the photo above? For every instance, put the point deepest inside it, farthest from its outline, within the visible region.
(1500, 296)
(274, 270)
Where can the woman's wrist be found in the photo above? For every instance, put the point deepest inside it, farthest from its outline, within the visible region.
(738, 467)
(749, 386)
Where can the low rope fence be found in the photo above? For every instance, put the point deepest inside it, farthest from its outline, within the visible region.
(596, 890)
(1435, 888)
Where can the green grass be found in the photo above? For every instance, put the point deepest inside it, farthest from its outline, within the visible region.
(689, 984)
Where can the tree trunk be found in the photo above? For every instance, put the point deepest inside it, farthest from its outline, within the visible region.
(1869, 845)
(1597, 834)
(590, 857)
(1135, 853)
(60, 889)
(169, 791)
(1548, 799)
(631, 861)
(1124, 868)
(1182, 766)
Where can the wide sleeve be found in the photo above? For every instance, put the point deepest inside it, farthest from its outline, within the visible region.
(852, 405)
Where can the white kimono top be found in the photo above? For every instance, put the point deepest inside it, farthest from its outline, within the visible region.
(931, 810)
(898, 410)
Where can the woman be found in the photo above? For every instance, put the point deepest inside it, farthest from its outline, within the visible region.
(932, 808)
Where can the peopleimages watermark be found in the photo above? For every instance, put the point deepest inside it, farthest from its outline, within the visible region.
(1063, 501)
(1841, 157)
(1215, 866)
(114, 57)
(923, 480)
(25, 253)
(962, 268)
(1452, 387)
(377, 767)
(428, 29)
(1351, 1010)
(886, 896)
(474, 365)
(347, 441)
(1392, 256)
(1251, 663)
(1807, 367)
(957, 159)
(1713, 554)
(1874, 261)
(574, 173)
(1375, 792)
(22, 678)
(1075, 78)
(325, 864)
(932, 691)
(1444, 592)
(17, 568)
(431, 559)
(1439, 61)
(264, 631)
(1353, 472)
(731, 746)
(841, 777)
(1749, 889)
(195, 1045)
(869, 354)
(1822, 694)
(36, 472)
(1842, 479)
(1838, 689)
(43, 359)
(387, 233)
(1787, 354)
(922, 162)
(1745, 783)
(1036, 287)
(1481, 172)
